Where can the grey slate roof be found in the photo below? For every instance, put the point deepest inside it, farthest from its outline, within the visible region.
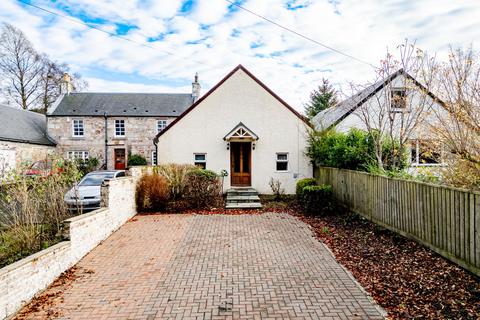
(18, 125)
(332, 116)
(123, 104)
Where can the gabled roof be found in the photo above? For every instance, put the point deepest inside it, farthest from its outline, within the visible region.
(23, 126)
(240, 131)
(231, 73)
(123, 104)
(330, 117)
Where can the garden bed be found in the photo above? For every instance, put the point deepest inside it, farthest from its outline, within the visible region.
(405, 278)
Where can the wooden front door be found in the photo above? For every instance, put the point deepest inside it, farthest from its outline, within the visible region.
(119, 158)
(240, 164)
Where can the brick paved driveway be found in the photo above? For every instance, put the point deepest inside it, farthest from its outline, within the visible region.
(208, 267)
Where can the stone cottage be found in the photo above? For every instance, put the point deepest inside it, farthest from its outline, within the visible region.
(110, 126)
(23, 138)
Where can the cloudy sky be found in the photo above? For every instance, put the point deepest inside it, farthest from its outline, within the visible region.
(212, 37)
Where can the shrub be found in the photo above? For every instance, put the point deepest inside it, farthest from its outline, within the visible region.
(86, 166)
(317, 199)
(203, 189)
(277, 189)
(302, 183)
(152, 193)
(136, 160)
(353, 150)
(32, 210)
(176, 177)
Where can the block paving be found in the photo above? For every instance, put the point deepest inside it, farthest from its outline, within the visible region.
(267, 266)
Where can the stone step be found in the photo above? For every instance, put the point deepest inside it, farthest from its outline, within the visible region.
(244, 205)
(242, 198)
(243, 193)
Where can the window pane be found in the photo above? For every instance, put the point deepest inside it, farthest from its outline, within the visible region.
(78, 127)
(398, 99)
(119, 127)
(427, 154)
(200, 157)
(282, 156)
(161, 124)
(202, 165)
(282, 166)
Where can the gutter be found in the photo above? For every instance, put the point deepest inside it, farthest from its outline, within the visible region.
(105, 115)
(155, 143)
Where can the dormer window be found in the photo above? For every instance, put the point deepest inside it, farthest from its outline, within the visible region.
(398, 100)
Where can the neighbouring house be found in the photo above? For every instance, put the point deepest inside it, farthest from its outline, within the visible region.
(398, 103)
(243, 127)
(110, 126)
(23, 138)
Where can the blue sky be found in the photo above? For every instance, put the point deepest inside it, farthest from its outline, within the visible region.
(212, 37)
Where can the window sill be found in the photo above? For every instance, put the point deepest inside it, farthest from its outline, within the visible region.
(78, 137)
(428, 165)
(282, 171)
(119, 137)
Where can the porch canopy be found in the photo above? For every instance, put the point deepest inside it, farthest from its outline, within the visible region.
(241, 133)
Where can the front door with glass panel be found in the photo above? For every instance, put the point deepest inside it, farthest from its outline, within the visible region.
(240, 164)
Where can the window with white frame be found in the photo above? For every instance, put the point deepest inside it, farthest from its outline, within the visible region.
(425, 152)
(398, 99)
(78, 129)
(282, 161)
(154, 157)
(119, 128)
(161, 124)
(200, 160)
(82, 155)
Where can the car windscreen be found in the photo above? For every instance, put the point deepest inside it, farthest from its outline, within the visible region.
(95, 179)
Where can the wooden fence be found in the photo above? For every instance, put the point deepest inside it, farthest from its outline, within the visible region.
(445, 219)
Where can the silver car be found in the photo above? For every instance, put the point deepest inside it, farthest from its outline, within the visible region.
(85, 195)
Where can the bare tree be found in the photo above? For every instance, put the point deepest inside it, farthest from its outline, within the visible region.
(51, 79)
(20, 66)
(457, 126)
(30, 80)
(394, 107)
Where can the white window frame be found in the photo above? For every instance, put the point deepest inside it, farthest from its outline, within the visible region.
(415, 145)
(154, 157)
(78, 154)
(197, 162)
(81, 126)
(117, 121)
(394, 109)
(163, 125)
(282, 161)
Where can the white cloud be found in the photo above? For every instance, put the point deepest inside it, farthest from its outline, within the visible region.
(290, 65)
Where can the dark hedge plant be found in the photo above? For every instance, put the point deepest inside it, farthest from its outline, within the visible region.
(317, 200)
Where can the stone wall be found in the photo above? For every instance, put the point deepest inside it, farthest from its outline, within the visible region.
(139, 134)
(22, 153)
(20, 281)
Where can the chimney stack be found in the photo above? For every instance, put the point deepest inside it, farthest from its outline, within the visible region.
(195, 88)
(67, 86)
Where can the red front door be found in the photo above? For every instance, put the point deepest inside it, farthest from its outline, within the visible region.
(119, 159)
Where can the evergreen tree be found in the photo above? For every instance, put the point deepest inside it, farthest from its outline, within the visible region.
(320, 99)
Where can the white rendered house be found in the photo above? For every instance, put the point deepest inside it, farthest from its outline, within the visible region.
(243, 127)
(398, 102)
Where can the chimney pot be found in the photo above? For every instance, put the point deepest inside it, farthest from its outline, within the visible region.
(195, 88)
(67, 86)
